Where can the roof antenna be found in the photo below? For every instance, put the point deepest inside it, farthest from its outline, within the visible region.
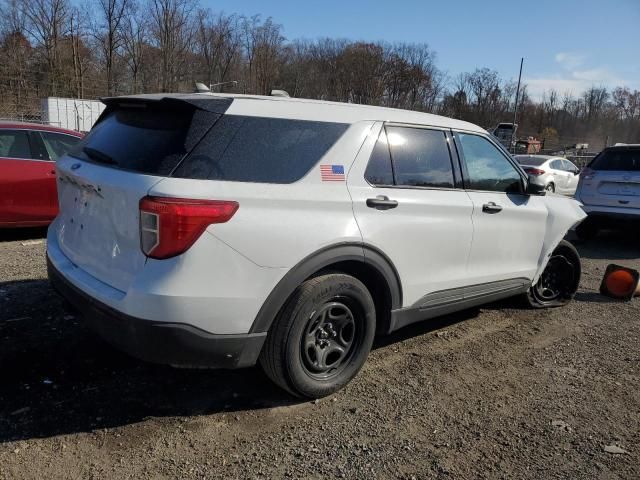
(201, 88)
(280, 93)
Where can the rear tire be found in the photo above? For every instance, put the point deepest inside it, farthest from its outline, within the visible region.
(551, 188)
(321, 337)
(559, 281)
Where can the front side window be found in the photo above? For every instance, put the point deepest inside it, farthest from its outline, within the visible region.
(57, 144)
(568, 166)
(412, 157)
(420, 157)
(487, 168)
(556, 165)
(14, 144)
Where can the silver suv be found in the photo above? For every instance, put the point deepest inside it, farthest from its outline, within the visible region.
(609, 188)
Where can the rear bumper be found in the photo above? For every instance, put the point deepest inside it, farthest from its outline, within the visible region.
(174, 344)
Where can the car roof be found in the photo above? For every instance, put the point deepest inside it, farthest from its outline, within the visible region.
(624, 146)
(306, 109)
(37, 126)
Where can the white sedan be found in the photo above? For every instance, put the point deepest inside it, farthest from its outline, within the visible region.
(555, 174)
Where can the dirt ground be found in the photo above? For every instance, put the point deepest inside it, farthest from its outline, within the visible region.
(496, 392)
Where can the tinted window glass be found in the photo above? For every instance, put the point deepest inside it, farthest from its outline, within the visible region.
(379, 171)
(568, 166)
(57, 144)
(529, 160)
(621, 160)
(420, 157)
(556, 165)
(257, 149)
(14, 144)
(487, 167)
(145, 138)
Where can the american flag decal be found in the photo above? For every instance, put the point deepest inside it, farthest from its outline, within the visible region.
(332, 173)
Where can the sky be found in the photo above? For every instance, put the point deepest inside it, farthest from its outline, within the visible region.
(569, 45)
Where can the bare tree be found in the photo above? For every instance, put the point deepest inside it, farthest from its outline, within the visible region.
(109, 34)
(218, 43)
(171, 32)
(46, 22)
(134, 30)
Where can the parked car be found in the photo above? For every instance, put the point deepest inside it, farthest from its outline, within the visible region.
(554, 174)
(609, 189)
(28, 153)
(221, 231)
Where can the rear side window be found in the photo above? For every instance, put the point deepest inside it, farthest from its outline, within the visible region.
(14, 144)
(144, 138)
(413, 157)
(379, 170)
(620, 160)
(260, 149)
(420, 157)
(57, 144)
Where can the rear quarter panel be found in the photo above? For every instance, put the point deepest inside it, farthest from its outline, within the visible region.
(278, 225)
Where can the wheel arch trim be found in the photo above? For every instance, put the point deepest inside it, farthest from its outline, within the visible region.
(315, 262)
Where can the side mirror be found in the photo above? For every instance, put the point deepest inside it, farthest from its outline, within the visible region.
(535, 189)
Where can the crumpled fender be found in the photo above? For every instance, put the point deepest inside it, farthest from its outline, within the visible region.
(564, 214)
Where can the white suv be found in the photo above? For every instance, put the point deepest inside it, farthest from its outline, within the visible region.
(205, 230)
(610, 189)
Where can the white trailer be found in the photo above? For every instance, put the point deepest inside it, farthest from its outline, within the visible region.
(71, 113)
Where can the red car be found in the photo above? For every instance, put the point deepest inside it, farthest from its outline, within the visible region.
(28, 152)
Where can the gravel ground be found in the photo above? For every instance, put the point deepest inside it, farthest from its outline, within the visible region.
(497, 392)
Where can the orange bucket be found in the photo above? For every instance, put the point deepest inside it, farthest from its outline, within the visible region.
(620, 282)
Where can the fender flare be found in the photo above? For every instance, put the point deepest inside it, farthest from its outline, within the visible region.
(317, 261)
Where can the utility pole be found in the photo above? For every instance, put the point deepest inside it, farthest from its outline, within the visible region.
(515, 110)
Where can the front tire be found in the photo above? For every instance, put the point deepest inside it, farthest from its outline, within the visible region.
(322, 336)
(559, 281)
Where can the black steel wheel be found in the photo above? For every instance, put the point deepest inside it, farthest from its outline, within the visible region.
(559, 281)
(333, 333)
(322, 336)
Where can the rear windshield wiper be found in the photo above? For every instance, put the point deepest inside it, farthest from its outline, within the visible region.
(98, 156)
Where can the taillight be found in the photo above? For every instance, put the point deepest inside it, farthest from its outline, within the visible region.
(534, 171)
(169, 226)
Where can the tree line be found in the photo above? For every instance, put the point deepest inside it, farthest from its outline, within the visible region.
(115, 47)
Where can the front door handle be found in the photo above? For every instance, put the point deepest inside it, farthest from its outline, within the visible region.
(491, 207)
(381, 202)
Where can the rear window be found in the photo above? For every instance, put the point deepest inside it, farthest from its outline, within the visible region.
(531, 161)
(259, 149)
(144, 138)
(619, 160)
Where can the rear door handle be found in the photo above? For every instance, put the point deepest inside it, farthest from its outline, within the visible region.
(381, 202)
(491, 207)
